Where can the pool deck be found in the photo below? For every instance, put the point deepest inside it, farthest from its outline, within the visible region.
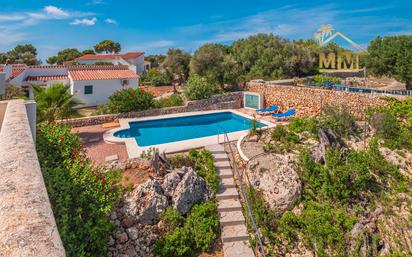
(134, 150)
(98, 149)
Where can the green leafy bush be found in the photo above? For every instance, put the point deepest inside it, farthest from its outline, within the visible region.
(197, 233)
(204, 167)
(299, 125)
(129, 100)
(393, 123)
(173, 100)
(160, 80)
(319, 79)
(279, 132)
(81, 195)
(198, 87)
(340, 120)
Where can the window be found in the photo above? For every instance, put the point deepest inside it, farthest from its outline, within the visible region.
(88, 90)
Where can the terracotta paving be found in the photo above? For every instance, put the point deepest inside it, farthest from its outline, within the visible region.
(159, 90)
(98, 150)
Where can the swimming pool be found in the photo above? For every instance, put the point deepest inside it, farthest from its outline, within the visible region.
(166, 130)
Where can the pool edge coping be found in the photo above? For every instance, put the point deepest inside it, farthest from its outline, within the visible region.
(134, 150)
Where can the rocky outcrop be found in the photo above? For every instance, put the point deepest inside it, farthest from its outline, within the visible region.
(191, 189)
(276, 176)
(137, 215)
(146, 202)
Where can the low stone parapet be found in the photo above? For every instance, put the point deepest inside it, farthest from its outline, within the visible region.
(27, 225)
(217, 102)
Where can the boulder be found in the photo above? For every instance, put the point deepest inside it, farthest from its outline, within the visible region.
(276, 177)
(170, 182)
(146, 202)
(191, 189)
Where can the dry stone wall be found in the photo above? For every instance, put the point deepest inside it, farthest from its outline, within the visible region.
(308, 101)
(218, 102)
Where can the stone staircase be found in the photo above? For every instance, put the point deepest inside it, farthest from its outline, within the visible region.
(234, 232)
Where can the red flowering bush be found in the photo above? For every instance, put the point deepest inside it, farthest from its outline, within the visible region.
(81, 195)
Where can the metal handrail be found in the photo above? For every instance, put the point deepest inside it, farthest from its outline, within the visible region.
(242, 189)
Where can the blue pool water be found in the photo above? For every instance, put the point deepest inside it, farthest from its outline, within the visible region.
(153, 132)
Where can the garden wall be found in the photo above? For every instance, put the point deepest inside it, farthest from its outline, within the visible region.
(217, 102)
(27, 224)
(308, 101)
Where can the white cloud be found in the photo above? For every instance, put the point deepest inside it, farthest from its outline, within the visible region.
(55, 12)
(11, 17)
(85, 21)
(110, 21)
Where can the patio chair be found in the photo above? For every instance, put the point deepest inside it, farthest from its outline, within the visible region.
(284, 115)
(270, 109)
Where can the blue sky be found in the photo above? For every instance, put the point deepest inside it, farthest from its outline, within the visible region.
(155, 26)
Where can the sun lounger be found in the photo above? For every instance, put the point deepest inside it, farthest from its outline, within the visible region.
(284, 115)
(271, 108)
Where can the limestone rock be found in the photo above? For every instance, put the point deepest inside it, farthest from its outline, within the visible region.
(146, 202)
(275, 175)
(170, 183)
(190, 190)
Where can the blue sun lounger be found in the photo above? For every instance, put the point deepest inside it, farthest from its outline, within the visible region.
(271, 108)
(286, 114)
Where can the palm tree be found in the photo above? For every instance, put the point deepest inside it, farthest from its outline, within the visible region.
(54, 102)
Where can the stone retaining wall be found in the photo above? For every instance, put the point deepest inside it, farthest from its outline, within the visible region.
(308, 101)
(27, 225)
(218, 102)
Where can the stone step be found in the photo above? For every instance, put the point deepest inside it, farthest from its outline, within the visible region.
(222, 164)
(219, 157)
(215, 148)
(227, 182)
(231, 218)
(234, 233)
(227, 205)
(238, 249)
(227, 193)
(225, 173)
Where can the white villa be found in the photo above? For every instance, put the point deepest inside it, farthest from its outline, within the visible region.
(134, 60)
(91, 84)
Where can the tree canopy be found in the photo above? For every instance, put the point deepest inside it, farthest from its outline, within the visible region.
(107, 46)
(391, 56)
(68, 54)
(176, 63)
(24, 54)
(212, 61)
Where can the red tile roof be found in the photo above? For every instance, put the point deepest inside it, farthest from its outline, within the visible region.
(94, 57)
(16, 70)
(46, 78)
(99, 74)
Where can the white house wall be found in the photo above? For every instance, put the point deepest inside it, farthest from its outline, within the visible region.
(102, 89)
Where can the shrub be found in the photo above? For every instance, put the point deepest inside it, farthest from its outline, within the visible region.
(197, 88)
(160, 80)
(299, 125)
(173, 100)
(171, 219)
(278, 132)
(197, 234)
(340, 120)
(129, 100)
(204, 167)
(319, 79)
(179, 161)
(81, 195)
